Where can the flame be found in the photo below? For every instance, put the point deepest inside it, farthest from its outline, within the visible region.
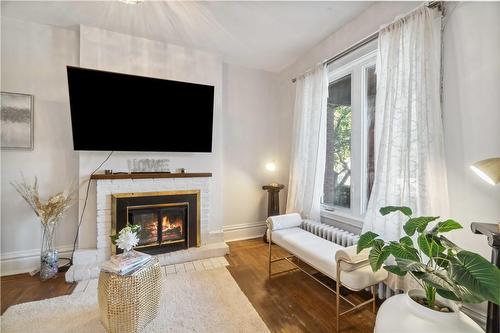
(168, 225)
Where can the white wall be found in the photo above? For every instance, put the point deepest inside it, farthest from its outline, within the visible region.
(251, 139)
(471, 108)
(34, 59)
(360, 27)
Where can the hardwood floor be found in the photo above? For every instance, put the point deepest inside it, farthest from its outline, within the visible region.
(290, 302)
(23, 288)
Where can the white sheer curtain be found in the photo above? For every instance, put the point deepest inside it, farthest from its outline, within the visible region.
(307, 163)
(410, 164)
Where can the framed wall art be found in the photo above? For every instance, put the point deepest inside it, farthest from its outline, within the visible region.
(16, 115)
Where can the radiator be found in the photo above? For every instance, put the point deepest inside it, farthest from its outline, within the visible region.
(331, 233)
(344, 238)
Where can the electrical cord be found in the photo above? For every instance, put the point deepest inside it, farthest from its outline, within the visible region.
(85, 205)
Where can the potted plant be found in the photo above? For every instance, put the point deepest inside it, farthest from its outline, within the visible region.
(438, 265)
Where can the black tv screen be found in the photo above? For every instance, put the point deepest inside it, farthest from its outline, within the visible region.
(121, 112)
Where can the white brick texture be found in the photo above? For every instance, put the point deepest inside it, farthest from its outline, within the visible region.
(106, 188)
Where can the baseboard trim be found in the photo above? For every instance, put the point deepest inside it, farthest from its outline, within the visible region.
(243, 231)
(17, 262)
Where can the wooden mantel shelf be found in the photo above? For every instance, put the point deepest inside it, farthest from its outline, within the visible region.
(149, 175)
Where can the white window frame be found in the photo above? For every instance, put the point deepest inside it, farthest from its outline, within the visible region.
(357, 68)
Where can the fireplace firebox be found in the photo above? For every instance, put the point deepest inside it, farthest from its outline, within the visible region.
(169, 221)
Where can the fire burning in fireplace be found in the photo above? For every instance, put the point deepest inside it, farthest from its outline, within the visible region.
(149, 232)
(171, 228)
(169, 222)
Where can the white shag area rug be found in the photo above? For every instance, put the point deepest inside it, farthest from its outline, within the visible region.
(201, 301)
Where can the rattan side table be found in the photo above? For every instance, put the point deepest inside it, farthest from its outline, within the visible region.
(128, 303)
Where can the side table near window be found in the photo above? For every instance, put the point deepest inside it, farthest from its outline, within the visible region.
(273, 201)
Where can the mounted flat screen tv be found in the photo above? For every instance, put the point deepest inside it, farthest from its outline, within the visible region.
(121, 112)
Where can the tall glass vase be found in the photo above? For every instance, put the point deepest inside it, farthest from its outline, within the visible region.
(49, 256)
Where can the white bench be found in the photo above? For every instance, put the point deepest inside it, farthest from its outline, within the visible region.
(325, 256)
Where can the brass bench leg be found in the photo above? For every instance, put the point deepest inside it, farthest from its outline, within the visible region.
(337, 283)
(374, 297)
(270, 243)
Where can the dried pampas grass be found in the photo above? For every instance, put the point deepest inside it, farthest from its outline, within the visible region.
(50, 211)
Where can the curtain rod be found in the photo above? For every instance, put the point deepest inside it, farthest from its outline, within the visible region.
(366, 40)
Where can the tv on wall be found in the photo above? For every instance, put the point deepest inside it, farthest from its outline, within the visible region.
(121, 112)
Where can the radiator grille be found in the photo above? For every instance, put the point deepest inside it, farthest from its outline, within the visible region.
(331, 233)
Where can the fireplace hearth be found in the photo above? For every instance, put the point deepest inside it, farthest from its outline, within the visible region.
(169, 220)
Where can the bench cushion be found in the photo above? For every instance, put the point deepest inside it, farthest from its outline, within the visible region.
(284, 221)
(352, 259)
(320, 254)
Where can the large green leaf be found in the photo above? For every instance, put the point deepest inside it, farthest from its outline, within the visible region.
(366, 241)
(406, 240)
(447, 288)
(437, 279)
(467, 296)
(424, 245)
(436, 239)
(446, 226)
(476, 274)
(410, 265)
(449, 244)
(389, 209)
(378, 255)
(395, 270)
(418, 223)
(429, 246)
(442, 260)
(448, 294)
(403, 251)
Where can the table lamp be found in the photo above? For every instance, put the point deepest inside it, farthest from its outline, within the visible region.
(488, 170)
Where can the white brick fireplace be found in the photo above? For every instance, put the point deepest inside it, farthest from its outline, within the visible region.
(87, 261)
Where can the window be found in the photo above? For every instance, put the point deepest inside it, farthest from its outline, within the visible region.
(350, 165)
(337, 188)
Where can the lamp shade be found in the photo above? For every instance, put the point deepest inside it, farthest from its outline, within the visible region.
(488, 170)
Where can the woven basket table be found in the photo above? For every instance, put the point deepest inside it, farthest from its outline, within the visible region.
(128, 303)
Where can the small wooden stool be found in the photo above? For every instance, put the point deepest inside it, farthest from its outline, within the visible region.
(128, 303)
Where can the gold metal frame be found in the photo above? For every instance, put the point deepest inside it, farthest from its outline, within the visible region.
(373, 288)
(116, 196)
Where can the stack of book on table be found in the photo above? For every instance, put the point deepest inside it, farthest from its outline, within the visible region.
(126, 264)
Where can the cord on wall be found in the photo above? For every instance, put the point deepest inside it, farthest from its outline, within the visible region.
(85, 205)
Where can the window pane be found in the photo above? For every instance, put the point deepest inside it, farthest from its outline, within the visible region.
(337, 185)
(371, 92)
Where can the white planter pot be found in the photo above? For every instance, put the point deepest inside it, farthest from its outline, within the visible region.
(402, 314)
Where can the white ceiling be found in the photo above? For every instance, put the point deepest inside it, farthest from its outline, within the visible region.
(264, 35)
